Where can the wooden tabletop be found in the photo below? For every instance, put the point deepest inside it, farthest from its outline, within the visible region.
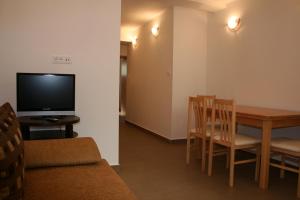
(265, 113)
(266, 119)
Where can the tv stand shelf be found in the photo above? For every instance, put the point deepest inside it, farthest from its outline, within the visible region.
(50, 121)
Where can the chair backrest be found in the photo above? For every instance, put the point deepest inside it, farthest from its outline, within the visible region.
(225, 112)
(194, 114)
(198, 108)
(209, 101)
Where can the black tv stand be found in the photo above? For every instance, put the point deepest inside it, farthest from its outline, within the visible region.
(45, 117)
(48, 121)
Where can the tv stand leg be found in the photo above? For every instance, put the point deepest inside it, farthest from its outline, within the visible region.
(69, 131)
(25, 132)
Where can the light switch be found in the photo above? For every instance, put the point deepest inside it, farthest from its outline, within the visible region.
(62, 60)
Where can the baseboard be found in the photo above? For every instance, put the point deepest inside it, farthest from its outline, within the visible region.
(178, 141)
(173, 141)
(117, 168)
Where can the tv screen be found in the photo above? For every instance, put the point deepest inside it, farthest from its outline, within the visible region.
(45, 92)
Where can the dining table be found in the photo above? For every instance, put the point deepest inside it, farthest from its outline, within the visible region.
(266, 119)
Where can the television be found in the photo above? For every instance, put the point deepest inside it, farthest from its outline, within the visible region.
(45, 94)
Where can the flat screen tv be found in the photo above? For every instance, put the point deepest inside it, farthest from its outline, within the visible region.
(45, 94)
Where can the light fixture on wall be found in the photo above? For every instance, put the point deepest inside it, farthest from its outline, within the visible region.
(134, 40)
(234, 23)
(155, 30)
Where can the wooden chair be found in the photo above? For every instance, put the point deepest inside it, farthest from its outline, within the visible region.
(224, 111)
(287, 148)
(197, 110)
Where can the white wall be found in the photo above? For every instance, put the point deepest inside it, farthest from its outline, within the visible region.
(32, 31)
(259, 64)
(149, 77)
(164, 71)
(127, 32)
(189, 64)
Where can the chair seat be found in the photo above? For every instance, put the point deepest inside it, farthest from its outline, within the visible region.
(286, 144)
(245, 140)
(241, 140)
(208, 131)
(198, 134)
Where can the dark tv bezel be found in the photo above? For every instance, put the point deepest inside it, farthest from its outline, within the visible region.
(43, 74)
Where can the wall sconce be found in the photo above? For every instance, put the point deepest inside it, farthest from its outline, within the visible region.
(234, 23)
(155, 30)
(134, 41)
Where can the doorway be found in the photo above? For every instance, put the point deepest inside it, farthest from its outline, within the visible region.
(123, 78)
(122, 92)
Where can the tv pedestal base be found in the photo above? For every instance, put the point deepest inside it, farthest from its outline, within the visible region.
(45, 122)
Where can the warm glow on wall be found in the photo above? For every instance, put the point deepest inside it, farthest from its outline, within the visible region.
(234, 23)
(155, 30)
(134, 40)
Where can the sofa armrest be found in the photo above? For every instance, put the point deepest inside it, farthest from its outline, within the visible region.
(60, 152)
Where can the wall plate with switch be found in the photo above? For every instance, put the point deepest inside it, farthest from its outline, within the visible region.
(61, 60)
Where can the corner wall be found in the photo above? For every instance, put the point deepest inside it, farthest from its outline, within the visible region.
(189, 64)
(33, 31)
(149, 89)
(164, 71)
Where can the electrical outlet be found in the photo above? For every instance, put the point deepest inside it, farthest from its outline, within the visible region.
(62, 60)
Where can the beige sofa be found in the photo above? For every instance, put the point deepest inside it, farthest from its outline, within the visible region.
(53, 169)
(70, 169)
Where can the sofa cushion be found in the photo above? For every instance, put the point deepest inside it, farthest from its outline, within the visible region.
(11, 155)
(61, 152)
(84, 182)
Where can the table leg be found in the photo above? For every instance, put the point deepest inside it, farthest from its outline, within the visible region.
(265, 154)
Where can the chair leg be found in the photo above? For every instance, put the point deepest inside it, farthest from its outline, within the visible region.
(231, 167)
(257, 167)
(188, 148)
(282, 171)
(198, 147)
(210, 158)
(227, 159)
(203, 153)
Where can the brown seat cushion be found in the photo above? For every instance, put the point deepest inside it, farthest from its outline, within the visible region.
(11, 155)
(83, 182)
(60, 152)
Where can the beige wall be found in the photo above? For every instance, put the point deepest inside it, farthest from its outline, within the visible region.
(33, 31)
(149, 77)
(189, 64)
(127, 33)
(258, 65)
(164, 71)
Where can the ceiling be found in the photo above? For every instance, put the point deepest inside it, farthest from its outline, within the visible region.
(137, 12)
